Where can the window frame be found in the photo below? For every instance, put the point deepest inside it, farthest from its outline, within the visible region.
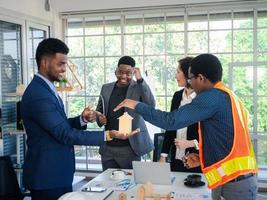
(185, 12)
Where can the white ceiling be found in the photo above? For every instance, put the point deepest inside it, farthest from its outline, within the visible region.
(82, 5)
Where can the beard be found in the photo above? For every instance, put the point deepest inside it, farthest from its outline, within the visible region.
(53, 77)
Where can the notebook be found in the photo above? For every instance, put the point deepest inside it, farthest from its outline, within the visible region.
(154, 172)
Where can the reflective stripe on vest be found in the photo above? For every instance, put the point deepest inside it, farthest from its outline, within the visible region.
(241, 159)
(230, 167)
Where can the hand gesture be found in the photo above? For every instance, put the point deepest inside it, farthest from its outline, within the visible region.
(183, 144)
(127, 103)
(191, 160)
(162, 159)
(137, 73)
(122, 136)
(102, 118)
(89, 115)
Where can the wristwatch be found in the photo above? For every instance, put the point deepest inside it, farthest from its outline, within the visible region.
(140, 81)
(107, 136)
(165, 155)
(196, 144)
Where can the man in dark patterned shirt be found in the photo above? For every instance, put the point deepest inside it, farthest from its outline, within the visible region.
(213, 107)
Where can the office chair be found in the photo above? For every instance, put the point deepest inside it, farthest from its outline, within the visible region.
(9, 187)
(158, 141)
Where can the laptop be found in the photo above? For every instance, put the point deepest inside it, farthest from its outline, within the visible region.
(154, 172)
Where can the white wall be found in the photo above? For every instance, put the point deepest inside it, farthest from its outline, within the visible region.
(32, 11)
(80, 5)
(33, 8)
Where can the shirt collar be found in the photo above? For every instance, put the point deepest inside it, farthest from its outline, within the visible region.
(191, 96)
(49, 83)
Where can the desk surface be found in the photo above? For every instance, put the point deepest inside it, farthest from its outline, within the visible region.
(182, 192)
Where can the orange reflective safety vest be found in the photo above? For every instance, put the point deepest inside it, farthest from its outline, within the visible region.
(241, 159)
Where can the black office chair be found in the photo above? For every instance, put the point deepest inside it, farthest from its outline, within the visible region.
(9, 187)
(158, 141)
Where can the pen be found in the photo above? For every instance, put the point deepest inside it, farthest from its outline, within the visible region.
(108, 194)
(127, 173)
(123, 182)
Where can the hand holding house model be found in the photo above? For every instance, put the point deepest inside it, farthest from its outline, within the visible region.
(125, 123)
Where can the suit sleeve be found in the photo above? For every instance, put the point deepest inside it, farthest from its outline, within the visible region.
(146, 94)
(99, 107)
(75, 122)
(169, 136)
(168, 141)
(49, 118)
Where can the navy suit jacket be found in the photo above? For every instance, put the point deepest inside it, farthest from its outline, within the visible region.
(50, 161)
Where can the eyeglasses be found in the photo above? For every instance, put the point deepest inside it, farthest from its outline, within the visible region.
(120, 73)
(189, 80)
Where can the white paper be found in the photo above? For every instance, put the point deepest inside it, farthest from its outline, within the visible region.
(192, 196)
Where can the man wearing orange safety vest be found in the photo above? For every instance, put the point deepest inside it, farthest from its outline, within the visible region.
(226, 154)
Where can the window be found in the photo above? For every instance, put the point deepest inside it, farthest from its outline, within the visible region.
(18, 40)
(158, 39)
(35, 33)
(10, 77)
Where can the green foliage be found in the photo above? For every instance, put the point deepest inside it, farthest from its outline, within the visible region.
(76, 106)
(243, 80)
(157, 53)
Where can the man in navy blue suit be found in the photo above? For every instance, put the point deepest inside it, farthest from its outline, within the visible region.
(50, 163)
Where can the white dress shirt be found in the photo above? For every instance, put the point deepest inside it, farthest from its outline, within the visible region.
(181, 134)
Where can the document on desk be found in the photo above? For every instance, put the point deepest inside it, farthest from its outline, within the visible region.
(192, 196)
(98, 195)
(123, 185)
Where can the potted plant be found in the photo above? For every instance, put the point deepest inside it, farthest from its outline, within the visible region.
(63, 83)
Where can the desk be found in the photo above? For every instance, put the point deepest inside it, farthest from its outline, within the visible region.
(104, 180)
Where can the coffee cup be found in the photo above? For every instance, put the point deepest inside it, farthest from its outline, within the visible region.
(193, 179)
(118, 174)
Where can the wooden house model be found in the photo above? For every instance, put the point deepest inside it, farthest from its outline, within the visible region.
(125, 123)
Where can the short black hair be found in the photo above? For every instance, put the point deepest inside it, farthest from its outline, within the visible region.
(49, 47)
(185, 64)
(126, 60)
(209, 66)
